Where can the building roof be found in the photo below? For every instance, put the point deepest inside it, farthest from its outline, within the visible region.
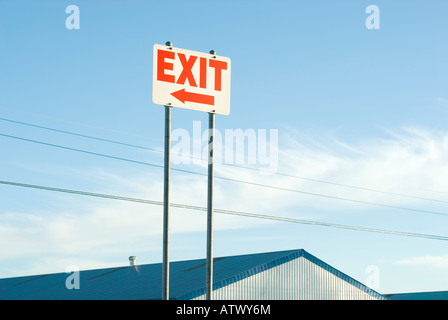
(433, 295)
(187, 279)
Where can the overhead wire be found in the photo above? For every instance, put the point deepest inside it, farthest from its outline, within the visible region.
(82, 135)
(225, 164)
(228, 212)
(230, 179)
(79, 123)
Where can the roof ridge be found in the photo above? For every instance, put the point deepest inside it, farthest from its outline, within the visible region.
(291, 255)
(343, 276)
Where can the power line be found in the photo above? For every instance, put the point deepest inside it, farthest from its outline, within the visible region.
(81, 135)
(229, 212)
(230, 179)
(225, 164)
(79, 123)
(80, 150)
(335, 197)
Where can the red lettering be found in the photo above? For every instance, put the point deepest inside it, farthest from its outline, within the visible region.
(219, 66)
(186, 72)
(165, 62)
(203, 73)
(162, 65)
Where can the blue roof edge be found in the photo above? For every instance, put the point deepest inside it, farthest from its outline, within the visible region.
(266, 266)
(343, 276)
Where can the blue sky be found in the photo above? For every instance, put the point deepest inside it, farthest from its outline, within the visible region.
(353, 106)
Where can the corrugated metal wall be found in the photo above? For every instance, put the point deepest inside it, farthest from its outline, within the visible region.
(299, 279)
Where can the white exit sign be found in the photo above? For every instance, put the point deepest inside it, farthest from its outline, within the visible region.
(191, 80)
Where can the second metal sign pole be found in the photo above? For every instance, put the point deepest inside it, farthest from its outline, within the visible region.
(166, 206)
(209, 264)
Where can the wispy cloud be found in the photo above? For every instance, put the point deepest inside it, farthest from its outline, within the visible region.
(427, 260)
(409, 161)
(405, 161)
(441, 100)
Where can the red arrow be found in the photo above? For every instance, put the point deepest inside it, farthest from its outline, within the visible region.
(183, 96)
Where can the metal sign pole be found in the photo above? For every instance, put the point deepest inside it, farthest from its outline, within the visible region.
(172, 67)
(209, 264)
(166, 205)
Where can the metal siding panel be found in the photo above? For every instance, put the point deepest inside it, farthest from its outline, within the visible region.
(297, 279)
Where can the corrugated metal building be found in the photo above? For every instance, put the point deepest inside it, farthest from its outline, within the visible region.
(287, 275)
